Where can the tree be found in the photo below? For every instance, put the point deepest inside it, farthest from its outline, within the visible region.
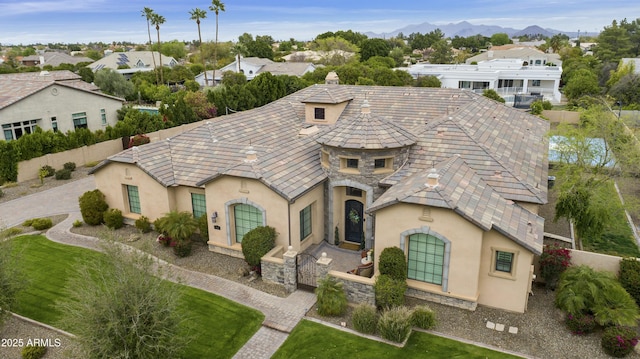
(120, 307)
(442, 52)
(374, 47)
(197, 14)
(492, 94)
(613, 43)
(158, 20)
(499, 39)
(148, 14)
(428, 81)
(582, 82)
(112, 83)
(216, 6)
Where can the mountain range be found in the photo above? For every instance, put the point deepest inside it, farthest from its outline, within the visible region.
(466, 29)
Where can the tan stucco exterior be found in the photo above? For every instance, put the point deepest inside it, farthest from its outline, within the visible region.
(331, 112)
(470, 259)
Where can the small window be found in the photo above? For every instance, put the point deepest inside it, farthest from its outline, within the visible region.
(54, 124)
(103, 116)
(535, 83)
(504, 261)
(352, 163)
(199, 205)
(354, 192)
(305, 222)
(380, 163)
(318, 113)
(79, 120)
(134, 199)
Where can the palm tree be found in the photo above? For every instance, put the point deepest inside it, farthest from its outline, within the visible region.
(148, 14)
(179, 225)
(197, 14)
(216, 6)
(158, 20)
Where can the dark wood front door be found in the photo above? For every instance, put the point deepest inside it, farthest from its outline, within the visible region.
(353, 222)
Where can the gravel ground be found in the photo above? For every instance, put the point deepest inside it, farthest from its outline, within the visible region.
(15, 190)
(541, 331)
(21, 333)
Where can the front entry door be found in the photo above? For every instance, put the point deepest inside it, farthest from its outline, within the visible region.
(353, 223)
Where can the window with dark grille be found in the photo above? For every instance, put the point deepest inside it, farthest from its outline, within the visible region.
(504, 261)
(305, 222)
(355, 192)
(352, 163)
(380, 163)
(199, 205)
(318, 113)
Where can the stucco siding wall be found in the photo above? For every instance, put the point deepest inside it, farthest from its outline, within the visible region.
(315, 198)
(465, 238)
(155, 199)
(226, 189)
(498, 291)
(44, 105)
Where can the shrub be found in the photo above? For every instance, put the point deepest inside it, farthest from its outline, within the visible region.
(91, 164)
(182, 248)
(1, 193)
(77, 223)
(92, 207)
(395, 324)
(389, 291)
(63, 174)
(365, 318)
(159, 225)
(41, 224)
(619, 341)
(554, 260)
(113, 218)
(10, 232)
(256, 243)
(332, 301)
(143, 224)
(48, 170)
(28, 222)
(203, 228)
(629, 277)
(580, 323)
(71, 166)
(33, 352)
(393, 263)
(166, 241)
(138, 140)
(423, 317)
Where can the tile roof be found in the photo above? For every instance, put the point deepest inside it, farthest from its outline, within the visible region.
(502, 145)
(131, 59)
(367, 131)
(18, 86)
(460, 189)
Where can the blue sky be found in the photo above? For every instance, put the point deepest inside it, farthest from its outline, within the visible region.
(71, 21)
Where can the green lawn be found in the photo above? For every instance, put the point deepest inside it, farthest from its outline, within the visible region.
(217, 327)
(304, 342)
(617, 238)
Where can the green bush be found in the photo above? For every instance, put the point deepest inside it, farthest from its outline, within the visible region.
(203, 228)
(28, 222)
(629, 277)
(33, 352)
(41, 224)
(113, 218)
(256, 243)
(143, 224)
(581, 323)
(423, 317)
(332, 301)
(159, 225)
(10, 232)
(63, 174)
(50, 171)
(365, 318)
(92, 207)
(619, 341)
(395, 324)
(182, 248)
(77, 223)
(71, 166)
(389, 291)
(392, 262)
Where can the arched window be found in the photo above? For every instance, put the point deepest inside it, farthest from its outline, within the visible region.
(426, 258)
(246, 218)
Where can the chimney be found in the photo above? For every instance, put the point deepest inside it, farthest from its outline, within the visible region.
(365, 108)
(332, 78)
(432, 178)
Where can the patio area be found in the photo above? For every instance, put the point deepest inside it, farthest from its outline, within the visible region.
(343, 259)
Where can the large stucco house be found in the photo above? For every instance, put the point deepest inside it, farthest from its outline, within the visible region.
(254, 66)
(452, 178)
(53, 100)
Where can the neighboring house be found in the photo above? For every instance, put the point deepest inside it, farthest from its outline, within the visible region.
(254, 66)
(508, 77)
(529, 55)
(130, 62)
(54, 59)
(451, 177)
(317, 56)
(56, 100)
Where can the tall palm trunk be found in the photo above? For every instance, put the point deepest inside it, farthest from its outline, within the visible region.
(204, 63)
(159, 54)
(215, 52)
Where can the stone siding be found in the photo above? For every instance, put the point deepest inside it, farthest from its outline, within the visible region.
(358, 289)
(442, 299)
(226, 251)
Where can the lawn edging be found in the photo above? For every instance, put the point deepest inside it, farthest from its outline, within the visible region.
(43, 325)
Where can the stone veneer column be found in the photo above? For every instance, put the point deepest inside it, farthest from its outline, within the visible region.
(290, 271)
(323, 266)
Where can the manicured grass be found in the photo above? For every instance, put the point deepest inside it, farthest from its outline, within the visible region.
(313, 340)
(217, 327)
(617, 238)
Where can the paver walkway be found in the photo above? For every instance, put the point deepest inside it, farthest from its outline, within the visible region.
(281, 314)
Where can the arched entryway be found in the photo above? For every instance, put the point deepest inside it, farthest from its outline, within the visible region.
(354, 221)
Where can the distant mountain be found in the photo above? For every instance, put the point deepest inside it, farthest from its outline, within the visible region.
(466, 29)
